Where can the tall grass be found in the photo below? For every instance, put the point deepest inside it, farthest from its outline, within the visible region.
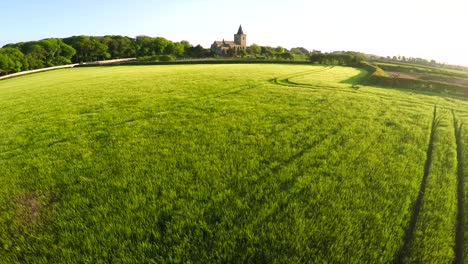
(210, 164)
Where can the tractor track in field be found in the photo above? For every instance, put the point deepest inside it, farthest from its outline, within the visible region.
(285, 81)
(409, 232)
(459, 229)
(230, 91)
(306, 147)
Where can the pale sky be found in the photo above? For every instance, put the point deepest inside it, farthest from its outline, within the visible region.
(419, 28)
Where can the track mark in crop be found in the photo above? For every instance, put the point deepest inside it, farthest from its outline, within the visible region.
(284, 80)
(459, 230)
(403, 252)
(236, 91)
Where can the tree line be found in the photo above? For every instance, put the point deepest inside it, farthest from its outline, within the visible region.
(344, 58)
(77, 49)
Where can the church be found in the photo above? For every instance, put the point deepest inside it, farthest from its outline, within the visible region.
(231, 47)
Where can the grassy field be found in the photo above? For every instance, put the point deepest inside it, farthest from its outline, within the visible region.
(227, 164)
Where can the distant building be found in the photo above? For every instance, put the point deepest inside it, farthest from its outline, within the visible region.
(231, 47)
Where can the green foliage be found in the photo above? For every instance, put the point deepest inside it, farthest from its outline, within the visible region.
(337, 58)
(254, 49)
(55, 52)
(7, 65)
(120, 47)
(148, 46)
(287, 56)
(217, 164)
(88, 48)
(11, 60)
(162, 58)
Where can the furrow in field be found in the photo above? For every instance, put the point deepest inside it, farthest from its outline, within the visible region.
(459, 230)
(432, 237)
(402, 254)
(285, 79)
(463, 150)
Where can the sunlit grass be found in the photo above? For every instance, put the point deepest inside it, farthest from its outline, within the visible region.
(210, 164)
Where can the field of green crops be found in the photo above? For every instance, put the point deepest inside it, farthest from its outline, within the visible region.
(229, 164)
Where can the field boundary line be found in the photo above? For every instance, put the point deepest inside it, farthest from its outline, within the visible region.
(94, 63)
(36, 71)
(409, 232)
(459, 229)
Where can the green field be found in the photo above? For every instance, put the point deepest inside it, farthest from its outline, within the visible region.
(228, 164)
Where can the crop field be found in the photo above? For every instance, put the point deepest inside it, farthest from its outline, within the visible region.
(229, 164)
(427, 73)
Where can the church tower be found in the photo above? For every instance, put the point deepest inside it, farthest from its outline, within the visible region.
(240, 38)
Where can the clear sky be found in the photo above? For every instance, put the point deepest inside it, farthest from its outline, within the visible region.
(431, 29)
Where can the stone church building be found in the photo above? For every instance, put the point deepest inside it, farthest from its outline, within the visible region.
(231, 47)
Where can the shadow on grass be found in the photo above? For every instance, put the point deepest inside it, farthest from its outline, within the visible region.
(357, 79)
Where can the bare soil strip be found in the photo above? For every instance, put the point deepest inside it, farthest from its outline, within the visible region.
(404, 251)
(459, 230)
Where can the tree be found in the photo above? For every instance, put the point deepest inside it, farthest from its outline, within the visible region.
(35, 55)
(159, 45)
(87, 48)
(12, 60)
(300, 51)
(287, 56)
(197, 52)
(243, 53)
(119, 46)
(268, 52)
(56, 52)
(176, 49)
(279, 49)
(254, 49)
(143, 46)
(6, 64)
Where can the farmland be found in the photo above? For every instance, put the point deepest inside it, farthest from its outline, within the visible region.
(228, 164)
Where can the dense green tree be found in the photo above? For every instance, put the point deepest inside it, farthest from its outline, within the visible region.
(197, 52)
(254, 49)
(12, 60)
(6, 63)
(300, 51)
(159, 45)
(87, 48)
(120, 46)
(268, 52)
(44, 53)
(35, 55)
(143, 46)
(279, 49)
(148, 46)
(337, 58)
(176, 49)
(57, 52)
(287, 56)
